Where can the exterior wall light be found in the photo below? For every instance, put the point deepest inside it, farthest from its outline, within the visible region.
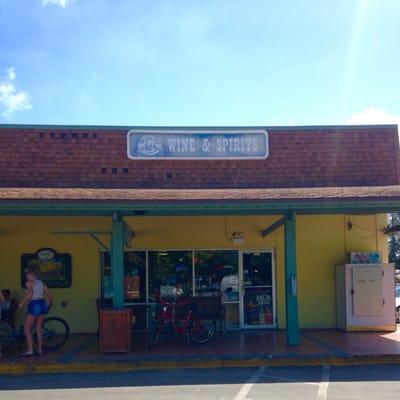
(237, 238)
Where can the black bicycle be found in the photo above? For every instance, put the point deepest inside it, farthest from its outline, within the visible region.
(55, 333)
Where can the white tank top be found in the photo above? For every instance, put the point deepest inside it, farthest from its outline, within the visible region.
(37, 290)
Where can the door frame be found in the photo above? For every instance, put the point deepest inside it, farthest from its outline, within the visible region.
(241, 290)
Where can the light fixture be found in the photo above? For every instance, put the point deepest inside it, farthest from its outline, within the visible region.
(237, 238)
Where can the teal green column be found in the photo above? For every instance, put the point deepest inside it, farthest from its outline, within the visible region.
(117, 260)
(292, 318)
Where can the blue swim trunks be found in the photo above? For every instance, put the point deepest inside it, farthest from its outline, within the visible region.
(37, 307)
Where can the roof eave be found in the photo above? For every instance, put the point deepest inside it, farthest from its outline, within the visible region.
(220, 207)
(221, 127)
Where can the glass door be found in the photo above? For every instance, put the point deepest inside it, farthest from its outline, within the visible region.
(258, 290)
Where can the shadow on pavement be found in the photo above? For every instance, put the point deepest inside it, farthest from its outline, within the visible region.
(206, 376)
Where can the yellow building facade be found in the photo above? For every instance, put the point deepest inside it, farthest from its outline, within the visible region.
(322, 242)
(256, 218)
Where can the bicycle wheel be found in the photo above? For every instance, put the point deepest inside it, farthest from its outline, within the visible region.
(202, 330)
(7, 334)
(55, 333)
(154, 334)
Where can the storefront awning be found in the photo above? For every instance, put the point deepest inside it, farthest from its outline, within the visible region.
(94, 201)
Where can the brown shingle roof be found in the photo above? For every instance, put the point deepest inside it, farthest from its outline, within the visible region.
(199, 195)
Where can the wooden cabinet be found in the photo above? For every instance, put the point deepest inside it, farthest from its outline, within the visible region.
(115, 330)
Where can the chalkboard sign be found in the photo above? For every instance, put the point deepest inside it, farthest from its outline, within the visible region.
(52, 268)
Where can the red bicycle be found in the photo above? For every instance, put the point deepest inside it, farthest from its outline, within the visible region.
(181, 314)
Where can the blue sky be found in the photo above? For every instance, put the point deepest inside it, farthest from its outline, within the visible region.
(191, 62)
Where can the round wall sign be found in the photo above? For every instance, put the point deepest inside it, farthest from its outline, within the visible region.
(46, 254)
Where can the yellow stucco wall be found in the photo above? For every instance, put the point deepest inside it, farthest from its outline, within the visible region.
(20, 235)
(322, 242)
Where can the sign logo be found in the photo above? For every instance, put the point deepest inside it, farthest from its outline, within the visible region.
(149, 146)
(200, 144)
(46, 254)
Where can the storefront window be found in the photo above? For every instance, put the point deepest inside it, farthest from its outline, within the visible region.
(106, 276)
(134, 284)
(217, 274)
(170, 272)
(134, 276)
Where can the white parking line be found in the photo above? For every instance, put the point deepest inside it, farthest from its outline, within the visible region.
(245, 389)
(323, 385)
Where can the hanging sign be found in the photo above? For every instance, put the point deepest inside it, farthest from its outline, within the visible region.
(51, 267)
(247, 144)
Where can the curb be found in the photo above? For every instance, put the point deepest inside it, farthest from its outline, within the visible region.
(123, 366)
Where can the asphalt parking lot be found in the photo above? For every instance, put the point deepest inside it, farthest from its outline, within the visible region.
(355, 382)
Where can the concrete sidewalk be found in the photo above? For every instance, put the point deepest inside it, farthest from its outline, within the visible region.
(233, 349)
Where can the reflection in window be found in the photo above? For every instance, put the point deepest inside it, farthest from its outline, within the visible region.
(217, 274)
(106, 275)
(170, 273)
(134, 276)
(258, 305)
(257, 269)
(134, 284)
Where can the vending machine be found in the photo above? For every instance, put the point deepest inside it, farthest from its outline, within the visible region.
(365, 299)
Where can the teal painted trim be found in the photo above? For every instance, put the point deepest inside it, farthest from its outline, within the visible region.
(273, 227)
(117, 260)
(95, 208)
(127, 127)
(292, 318)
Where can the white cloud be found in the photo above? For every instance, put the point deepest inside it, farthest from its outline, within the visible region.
(373, 115)
(61, 3)
(12, 100)
(11, 74)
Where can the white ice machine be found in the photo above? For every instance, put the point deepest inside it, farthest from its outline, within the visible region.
(365, 299)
